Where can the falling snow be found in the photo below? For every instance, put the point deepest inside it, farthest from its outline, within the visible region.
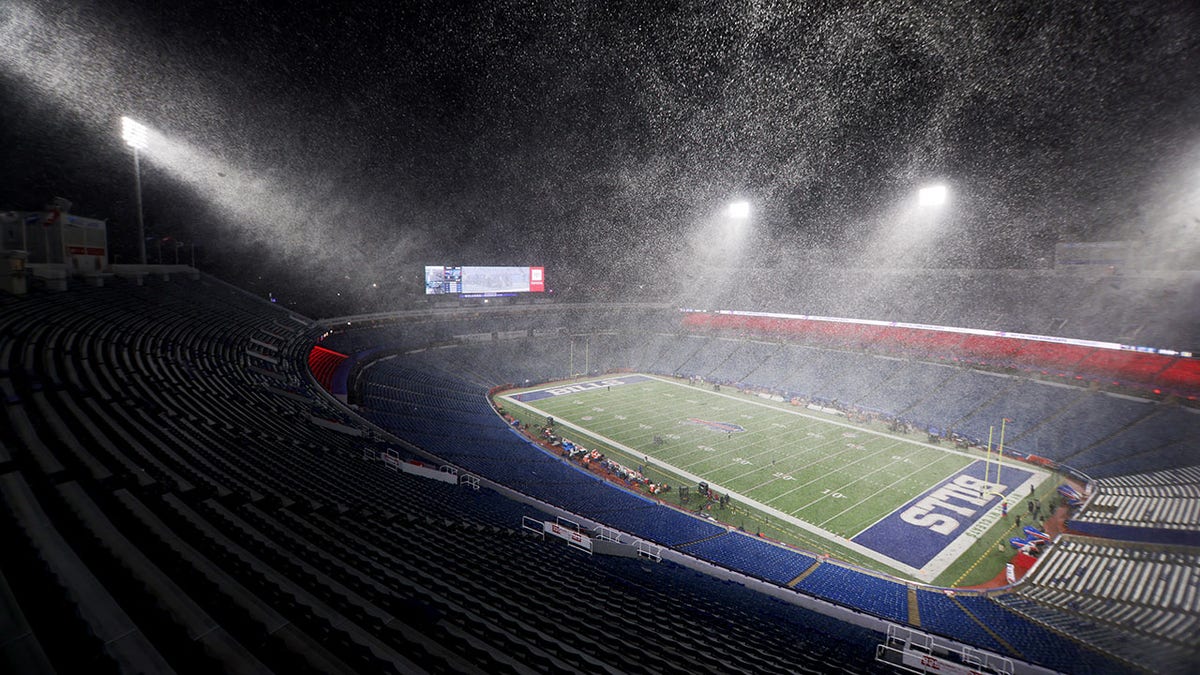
(354, 144)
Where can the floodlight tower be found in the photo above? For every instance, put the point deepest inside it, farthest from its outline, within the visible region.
(136, 136)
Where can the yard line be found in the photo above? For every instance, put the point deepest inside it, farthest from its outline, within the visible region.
(872, 455)
(751, 448)
(743, 448)
(798, 413)
(893, 484)
(668, 408)
(860, 476)
(805, 451)
(773, 512)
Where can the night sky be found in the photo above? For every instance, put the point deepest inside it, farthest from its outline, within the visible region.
(355, 143)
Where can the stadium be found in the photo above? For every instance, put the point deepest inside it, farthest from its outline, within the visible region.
(704, 448)
(184, 482)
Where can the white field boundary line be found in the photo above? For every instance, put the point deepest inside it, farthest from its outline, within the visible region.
(894, 483)
(780, 515)
(742, 398)
(1037, 478)
(962, 542)
(932, 569)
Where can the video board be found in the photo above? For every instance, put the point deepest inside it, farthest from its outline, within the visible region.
(443, 280)
(483, 281)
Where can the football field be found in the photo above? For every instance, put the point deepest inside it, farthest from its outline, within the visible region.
(908, 506)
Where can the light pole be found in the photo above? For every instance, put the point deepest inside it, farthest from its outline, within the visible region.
(135, 136)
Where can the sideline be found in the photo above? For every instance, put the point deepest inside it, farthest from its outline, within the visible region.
(934, 568)
(792, 520)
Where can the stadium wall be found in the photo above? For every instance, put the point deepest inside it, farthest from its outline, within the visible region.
(1173, 374)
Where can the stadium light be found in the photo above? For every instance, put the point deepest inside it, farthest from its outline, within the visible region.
(134, 133)
(739, 210)
(136, 136)
(934, 195)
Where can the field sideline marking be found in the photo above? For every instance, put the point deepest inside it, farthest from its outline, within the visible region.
(899, 480)
(962, 542)
(798, 413)
(834, 456)
(903, 478)
(788, 518)
(861, 477)
(935, 567)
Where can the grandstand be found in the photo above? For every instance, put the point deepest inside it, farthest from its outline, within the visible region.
(184, 490)
(600, 337)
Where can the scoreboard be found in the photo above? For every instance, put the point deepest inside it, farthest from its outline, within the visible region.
(483, 281)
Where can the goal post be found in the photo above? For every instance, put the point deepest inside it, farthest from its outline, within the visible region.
(992, 485)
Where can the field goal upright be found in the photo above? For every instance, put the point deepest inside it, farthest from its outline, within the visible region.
(992, 484)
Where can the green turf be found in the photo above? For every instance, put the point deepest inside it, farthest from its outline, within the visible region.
(812, 467)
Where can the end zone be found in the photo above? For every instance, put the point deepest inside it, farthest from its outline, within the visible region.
(940, 524)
